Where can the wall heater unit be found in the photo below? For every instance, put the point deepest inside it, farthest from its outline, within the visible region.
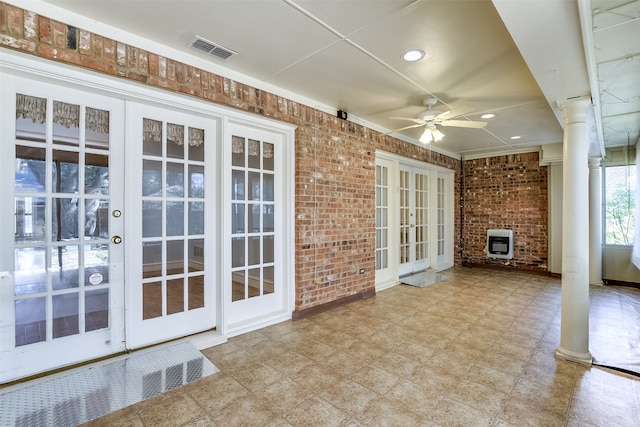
(500, 244)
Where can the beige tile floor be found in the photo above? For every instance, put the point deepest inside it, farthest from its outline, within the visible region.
(477, 349)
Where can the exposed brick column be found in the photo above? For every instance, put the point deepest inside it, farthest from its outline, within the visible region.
(574, 326)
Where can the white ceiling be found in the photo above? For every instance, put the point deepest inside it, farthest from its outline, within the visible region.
(516, 58)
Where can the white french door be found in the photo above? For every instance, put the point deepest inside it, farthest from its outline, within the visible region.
(61, 222)
(414, 218)
(171, 197)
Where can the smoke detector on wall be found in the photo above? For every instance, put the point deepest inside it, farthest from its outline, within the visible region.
(211, 48)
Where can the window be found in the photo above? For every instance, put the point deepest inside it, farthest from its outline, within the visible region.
(619, 201)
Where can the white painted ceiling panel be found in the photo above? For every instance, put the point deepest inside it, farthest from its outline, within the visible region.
(515, 58)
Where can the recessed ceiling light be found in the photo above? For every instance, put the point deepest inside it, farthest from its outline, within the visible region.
(413, 55)
(487, 116)
(515, 137)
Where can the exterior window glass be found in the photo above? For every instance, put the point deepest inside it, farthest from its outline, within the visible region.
(619, 201)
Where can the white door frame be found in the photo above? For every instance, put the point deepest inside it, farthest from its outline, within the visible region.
(250, 314)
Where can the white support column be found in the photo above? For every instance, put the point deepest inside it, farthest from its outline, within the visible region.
(574, 333)
(595, 221)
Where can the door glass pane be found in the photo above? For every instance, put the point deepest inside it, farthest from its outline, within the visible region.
(30, 219)
(151, 300)
(196, 144)
(237, 218)
(65, 172)
(65, 315)
(175, 257)
(267, 156)
(152, 137)
(267, 249)
(96, 174)
(196, 181)
(64, 267)
(151, 259)
(175, 218)
(175, 296)
(254, 186)
(96, 128)
(254, 283)
(31, 114)
(30, 270)
(267, 280)
(237, 252)
(66, 123)
(196, 218)
(267, 187)
(151, 218)
(254, 218)
(254, 250)
(196, 292)
(30, 169)
(268, 215)
(253, 152)
(237, 151)
(237, 286)
(175, 179)
(96, 219)
(64, 219)
(96, 309)
(175, 141)
(96, 264)
(237, 185)
(151, 178)
(31, 320)
(196, 255)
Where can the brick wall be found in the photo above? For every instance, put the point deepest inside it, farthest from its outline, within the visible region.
(506, 192)
(335, 159)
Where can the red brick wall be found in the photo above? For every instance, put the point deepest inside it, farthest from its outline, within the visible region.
(335, 159)
(506, 192)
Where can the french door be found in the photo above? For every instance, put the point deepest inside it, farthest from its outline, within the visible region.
(414, 227)
(61, 222)
(171, 239)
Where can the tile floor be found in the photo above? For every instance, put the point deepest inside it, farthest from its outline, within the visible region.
(477, 349)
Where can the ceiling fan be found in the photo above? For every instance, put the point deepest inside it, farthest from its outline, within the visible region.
(430, 118)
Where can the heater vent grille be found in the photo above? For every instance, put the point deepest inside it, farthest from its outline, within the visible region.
(211, 48)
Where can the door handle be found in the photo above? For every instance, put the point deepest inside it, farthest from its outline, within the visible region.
(116, 240)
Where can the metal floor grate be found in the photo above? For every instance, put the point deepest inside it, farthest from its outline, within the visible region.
(92, 391)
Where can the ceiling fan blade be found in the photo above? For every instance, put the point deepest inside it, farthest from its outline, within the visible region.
(413, 119)
(464, 124)
(458, 111)
(404, 128)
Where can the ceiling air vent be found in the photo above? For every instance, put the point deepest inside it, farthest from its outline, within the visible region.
(211, 48)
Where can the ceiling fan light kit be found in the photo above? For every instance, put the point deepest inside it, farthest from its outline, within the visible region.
(430, 118)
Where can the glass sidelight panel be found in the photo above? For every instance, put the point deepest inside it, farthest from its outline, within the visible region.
(252, 218)
(382, 213)
(421, 197)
